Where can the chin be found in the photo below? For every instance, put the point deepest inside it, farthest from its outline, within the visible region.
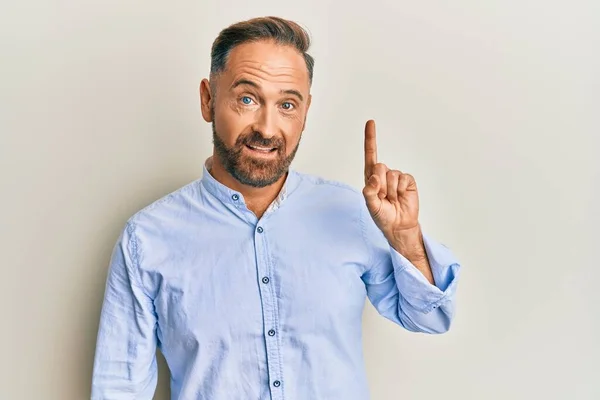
(258, 176)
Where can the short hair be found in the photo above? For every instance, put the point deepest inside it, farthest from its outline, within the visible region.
(279, 30)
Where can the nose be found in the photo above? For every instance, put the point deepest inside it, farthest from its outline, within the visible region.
(266, 123)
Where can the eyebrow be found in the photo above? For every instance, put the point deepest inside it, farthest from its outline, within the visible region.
(248, 82)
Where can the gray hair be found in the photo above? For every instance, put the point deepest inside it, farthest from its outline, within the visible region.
(280, 30)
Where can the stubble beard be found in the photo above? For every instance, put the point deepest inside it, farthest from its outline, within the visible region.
(248, 170)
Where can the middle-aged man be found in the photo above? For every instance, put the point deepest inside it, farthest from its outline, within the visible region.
(252, 280)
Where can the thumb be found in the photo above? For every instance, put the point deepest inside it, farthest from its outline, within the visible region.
(371, 190)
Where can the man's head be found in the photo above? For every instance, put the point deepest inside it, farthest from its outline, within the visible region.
(258, 97)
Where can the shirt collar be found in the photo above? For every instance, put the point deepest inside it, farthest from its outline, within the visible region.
(230, 196)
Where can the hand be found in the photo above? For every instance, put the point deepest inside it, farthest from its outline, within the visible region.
(391, 195)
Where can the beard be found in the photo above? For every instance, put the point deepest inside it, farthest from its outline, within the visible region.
(254, 172)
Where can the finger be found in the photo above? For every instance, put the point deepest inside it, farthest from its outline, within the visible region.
(406, 183)
(381, 171)
(371, 191)
(370, 148)
(393, 178)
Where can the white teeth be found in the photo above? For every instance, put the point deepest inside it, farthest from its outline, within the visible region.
(261, 148)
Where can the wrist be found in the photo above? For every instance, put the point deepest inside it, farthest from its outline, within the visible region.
(409, 243)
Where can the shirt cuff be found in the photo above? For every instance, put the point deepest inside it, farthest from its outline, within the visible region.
(415, 288)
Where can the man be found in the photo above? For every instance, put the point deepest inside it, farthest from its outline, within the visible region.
(252, 279)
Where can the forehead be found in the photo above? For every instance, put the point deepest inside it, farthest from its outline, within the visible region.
(267, 62)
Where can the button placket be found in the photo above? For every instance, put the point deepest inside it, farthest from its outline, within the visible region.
(269, 304)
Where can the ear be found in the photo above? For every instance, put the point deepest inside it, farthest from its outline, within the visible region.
(206, 100)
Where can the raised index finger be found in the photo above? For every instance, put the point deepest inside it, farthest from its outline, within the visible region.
(370, 148)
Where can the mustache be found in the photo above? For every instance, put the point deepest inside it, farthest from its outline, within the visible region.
(257, 139)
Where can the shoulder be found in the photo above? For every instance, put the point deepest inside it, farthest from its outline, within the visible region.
(167, 206)
(316, 182)
(330, 191)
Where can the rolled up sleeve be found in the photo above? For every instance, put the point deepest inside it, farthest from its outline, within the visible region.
(401, 293)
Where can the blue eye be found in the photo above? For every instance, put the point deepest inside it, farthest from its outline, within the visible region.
(246, 100)
(287, 106)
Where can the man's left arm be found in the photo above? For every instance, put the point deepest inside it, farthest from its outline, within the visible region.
(412, 283)
(411, 279)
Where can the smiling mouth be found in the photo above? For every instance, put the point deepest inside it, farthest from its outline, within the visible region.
(261, 149)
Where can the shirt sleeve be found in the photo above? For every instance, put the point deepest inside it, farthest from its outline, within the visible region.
(400, 292)
(125, 359)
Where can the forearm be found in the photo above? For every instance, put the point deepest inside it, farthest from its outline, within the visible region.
(410, 244)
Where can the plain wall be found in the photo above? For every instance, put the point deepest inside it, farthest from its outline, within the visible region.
(492, 105)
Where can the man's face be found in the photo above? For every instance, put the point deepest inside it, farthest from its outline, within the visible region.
(258, 111)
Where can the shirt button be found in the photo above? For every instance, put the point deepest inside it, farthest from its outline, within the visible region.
(235, 197)
(271, 332)
(260, 229)
(276, 383)
(265, 279)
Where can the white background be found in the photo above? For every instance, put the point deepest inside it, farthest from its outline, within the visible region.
(492, 105)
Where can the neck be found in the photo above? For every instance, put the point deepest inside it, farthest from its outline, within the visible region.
(257, 199)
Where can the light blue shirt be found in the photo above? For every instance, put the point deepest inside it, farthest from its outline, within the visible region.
(245, 308)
